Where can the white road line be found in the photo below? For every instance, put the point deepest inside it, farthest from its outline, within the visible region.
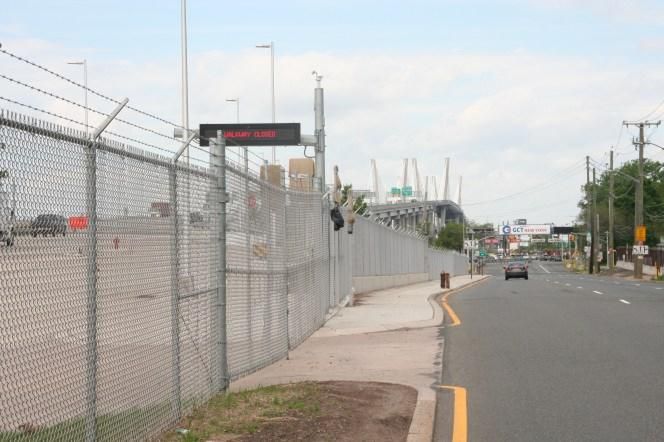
(555, 282)
(541, 267)
(568, 284)
(616, 283)
(638, 285)
(659, 288)
(625, 302)
(579, 287)
(599, 293)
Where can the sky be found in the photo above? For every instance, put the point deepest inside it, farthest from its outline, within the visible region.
(515, 92)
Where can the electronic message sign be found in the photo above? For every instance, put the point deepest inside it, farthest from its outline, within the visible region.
(253, 134)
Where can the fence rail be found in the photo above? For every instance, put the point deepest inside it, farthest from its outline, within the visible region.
(113, 327)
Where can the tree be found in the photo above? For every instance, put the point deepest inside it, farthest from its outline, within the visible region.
(359, 205)
(624, 191)
(450, 237)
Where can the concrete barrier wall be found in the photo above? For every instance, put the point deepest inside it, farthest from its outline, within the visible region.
(366, 284)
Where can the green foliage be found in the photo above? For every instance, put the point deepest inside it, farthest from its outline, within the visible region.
(624, 191)
(450, 237)
(359, 205)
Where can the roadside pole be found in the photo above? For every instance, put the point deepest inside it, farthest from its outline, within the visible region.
(218, 159)
(588, 215)
(610, 253)
(593, 239)
(91, 326)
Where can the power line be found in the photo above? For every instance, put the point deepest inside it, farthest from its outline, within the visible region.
(550, 181)
(651, 113)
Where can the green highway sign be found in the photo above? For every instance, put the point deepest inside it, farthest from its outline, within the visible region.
(395, 191)
(407, 191)
(482, 252)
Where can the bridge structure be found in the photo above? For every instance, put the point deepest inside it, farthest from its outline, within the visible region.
(408, 215)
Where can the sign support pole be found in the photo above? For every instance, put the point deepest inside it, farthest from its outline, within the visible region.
(319, 109)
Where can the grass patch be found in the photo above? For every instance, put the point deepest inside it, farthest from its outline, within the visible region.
(244, 412)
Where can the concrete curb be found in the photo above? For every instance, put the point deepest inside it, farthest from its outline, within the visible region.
(421, 427)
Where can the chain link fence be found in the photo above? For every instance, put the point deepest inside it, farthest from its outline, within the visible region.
(380, 251)
(111, 310)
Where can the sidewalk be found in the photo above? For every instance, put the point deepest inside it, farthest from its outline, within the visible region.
(388, 336)
(647, 270)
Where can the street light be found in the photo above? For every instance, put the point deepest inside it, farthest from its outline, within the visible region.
(237, 120)
(237, 107)
(84, 63)
(271, 47)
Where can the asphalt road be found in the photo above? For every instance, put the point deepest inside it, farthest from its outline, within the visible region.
(560, 357)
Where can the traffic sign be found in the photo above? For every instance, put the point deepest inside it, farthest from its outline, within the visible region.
(253, 134)
(640, 234)
(640, 250)
(407, 191)
(482, 253)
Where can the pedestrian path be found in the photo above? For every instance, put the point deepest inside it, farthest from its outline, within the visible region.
(388, 336)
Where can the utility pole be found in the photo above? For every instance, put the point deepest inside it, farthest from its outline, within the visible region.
(447, 179)
(598, 243)
(609, 252)
(638, 203)
(588, 207)
(593, 239)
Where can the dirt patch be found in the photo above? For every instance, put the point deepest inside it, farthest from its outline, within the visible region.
(360, 299)
(308, 411)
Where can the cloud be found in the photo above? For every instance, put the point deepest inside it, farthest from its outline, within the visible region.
(509, 123)
(650, 11)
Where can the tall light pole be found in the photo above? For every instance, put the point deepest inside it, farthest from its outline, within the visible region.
(237, 120)
(185, 74)
(84, 63)
(237, 107)
(271, 47)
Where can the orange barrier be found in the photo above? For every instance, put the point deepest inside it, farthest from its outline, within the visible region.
(78, 222)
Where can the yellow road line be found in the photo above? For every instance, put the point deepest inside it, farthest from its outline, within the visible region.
(453, 316)
(460, 423)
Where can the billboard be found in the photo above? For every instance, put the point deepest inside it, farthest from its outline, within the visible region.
(526, 229)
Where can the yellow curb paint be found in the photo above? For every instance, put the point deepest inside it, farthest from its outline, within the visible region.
(460, 422)
(453, 316)
(455, 319)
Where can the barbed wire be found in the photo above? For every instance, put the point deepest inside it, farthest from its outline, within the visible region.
(92, 91)
(66, 100)
(53, 114)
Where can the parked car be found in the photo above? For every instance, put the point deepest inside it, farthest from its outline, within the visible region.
(516, 269)
(49, 224)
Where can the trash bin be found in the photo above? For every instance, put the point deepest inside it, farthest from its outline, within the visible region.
(447, 280)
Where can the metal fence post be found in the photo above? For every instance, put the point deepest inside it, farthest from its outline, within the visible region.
(91, 332)
(91, 208)
(248, 240)
(218, 158)
(175, 295)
